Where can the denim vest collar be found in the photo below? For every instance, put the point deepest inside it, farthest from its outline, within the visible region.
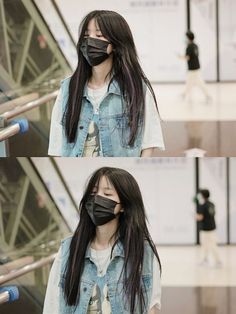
(113, 88)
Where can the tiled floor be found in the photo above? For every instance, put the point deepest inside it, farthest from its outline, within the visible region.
(214, 138)
(173, 108)
(189, 124)
(191, 289)
(200, 300)
(180, 267)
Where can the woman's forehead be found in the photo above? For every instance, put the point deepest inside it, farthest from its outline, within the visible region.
(103, 182)
(93, 25)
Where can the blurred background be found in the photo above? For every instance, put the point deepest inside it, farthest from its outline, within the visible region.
(39, 200)
(38, 49)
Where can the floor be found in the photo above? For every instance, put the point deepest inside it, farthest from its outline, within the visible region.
(180, 267)
(196, 124)
(173, 108)
(198, 139)
(199, 300)
(193, 289)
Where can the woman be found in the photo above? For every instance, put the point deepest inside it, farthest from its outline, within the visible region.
(107, 107)
(110, 265)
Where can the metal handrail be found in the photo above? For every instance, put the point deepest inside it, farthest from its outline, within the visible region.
(29, 106)
(27, 269)
(17, 102)
(9, 131)
(31, 87)
(4, 297)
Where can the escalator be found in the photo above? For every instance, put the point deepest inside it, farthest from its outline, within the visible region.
(35, 214)
(34, 108)
(34, 58)
(37, 136)
(31, 294)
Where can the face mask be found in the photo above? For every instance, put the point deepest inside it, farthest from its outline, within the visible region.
(100, 209)
(94, 50)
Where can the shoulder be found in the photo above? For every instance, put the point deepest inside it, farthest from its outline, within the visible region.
(191, 46)
(67, 239)
(210, 204)
(65, 247)
(66, 80)
(65, 244)
(64, 89)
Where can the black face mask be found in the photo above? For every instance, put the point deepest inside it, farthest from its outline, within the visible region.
(100, 209)
(94, 50)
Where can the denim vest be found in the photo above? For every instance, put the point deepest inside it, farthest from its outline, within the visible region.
(89, 279)
(112, 124)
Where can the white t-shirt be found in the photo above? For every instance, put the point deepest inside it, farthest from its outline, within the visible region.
(101, 259)
(92, 144)
(152, 127)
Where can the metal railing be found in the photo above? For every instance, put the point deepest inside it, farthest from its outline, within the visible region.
(4, 297)
(17, 102)
(29, 106)
(9, 131)
(12, 130)
(27, 269)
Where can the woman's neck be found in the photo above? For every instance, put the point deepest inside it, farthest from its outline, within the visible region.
(100, 74)
(105, 235)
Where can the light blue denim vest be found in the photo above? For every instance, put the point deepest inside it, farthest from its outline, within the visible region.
(89, 279)
(112, 124)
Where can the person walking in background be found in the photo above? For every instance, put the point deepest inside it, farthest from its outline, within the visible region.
(206, 216)
(194, 76)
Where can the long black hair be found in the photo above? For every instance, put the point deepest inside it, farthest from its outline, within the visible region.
(132, 232)
(126, 70)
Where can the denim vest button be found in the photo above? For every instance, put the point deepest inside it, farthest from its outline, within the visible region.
(81, 127)
(85, 289)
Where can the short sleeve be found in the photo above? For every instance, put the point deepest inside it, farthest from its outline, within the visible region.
(152, 126)
(56, 128)
(52, 297)
(156, 287)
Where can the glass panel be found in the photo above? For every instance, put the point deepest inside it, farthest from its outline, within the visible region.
(30, 223)
(227, 39)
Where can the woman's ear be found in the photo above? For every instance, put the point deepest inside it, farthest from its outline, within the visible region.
(109, 49)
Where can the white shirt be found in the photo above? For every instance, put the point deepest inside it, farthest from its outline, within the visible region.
(101, 260)
(152, 127)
